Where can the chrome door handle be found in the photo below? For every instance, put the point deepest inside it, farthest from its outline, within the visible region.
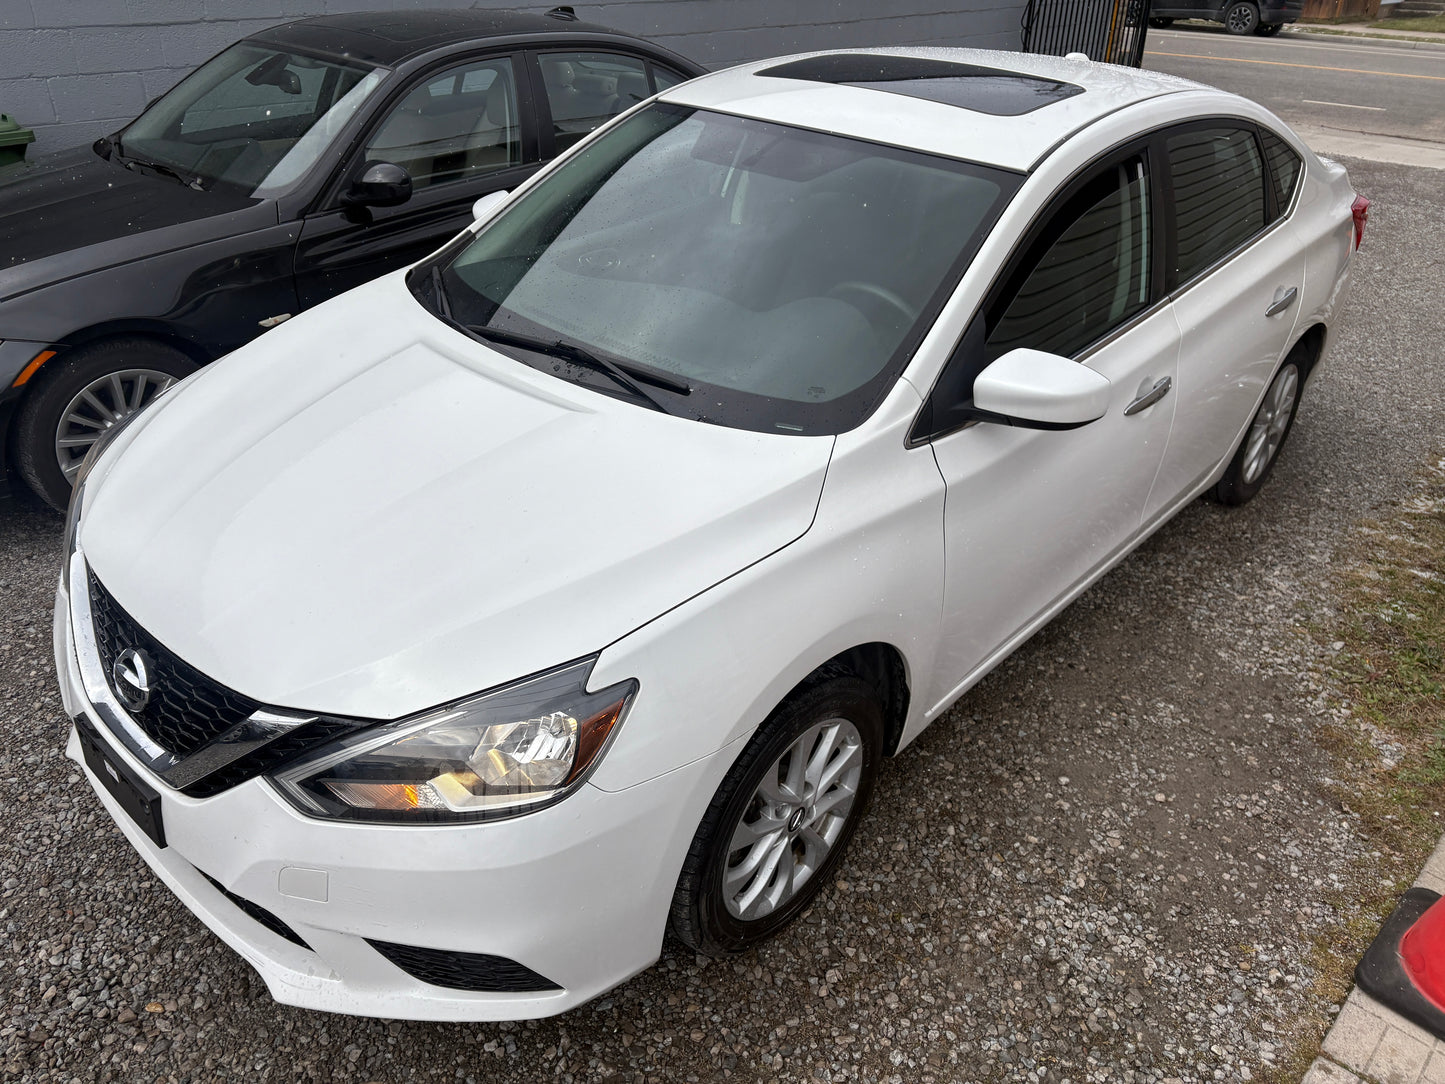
(1284, 301)
(1149, 398)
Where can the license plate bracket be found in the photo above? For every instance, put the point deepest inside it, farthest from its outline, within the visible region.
(141, 802)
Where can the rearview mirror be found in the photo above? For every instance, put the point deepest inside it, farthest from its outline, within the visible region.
(382, 184)
(1036, 390)
(488, 205)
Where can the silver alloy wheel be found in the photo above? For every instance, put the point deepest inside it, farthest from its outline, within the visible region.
(793, 819)
(1266, 432)
(100, 405)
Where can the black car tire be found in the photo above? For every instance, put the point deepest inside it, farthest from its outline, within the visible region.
(1244, 477)
(701, 914)
(1160, 22)
(1268, 30)
(56, 387)
(1241, 17)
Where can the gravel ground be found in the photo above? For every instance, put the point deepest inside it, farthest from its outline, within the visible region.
(1105, 864)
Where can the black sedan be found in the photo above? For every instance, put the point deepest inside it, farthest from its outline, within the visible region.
(300, 162)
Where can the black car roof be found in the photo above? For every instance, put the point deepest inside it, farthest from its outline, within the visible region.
(389, 37)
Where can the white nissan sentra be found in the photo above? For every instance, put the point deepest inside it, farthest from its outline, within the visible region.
(449, 644)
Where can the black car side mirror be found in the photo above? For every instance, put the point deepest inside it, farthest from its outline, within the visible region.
(382, 184)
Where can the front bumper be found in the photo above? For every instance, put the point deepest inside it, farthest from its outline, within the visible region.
(578, 892)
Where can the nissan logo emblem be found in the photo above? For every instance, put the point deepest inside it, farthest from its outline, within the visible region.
(132, 675)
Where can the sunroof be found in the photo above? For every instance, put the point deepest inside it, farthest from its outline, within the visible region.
(969, 86)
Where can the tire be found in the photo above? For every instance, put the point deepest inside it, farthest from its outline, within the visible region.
(1270, 427)
(1241, 17)
(725, 900)
(1268, 30)
(1161, 22)
(56, 418)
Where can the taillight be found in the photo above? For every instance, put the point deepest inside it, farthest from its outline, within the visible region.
(1361, 211)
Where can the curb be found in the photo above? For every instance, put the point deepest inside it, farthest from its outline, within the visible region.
(1370, 1044)
(1348, 36)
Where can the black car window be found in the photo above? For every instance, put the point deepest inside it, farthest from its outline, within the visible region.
(1086, 272)
(662, 78)
(453, 125)
(584, 90)
(1219, 195)
(1284, 167)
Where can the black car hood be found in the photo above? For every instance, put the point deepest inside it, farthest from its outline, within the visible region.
(72, 212)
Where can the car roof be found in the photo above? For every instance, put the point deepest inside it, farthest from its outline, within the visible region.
(388, 38)
(997, 108)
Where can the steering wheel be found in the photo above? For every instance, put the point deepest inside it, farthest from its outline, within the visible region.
(873, 293)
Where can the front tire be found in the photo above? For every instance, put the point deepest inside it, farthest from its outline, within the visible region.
(1241, 17)
(777, 828)
(80, 395)
(1268, 430)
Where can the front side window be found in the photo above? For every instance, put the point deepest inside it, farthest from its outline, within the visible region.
(1219, 195)
(254, 117)
(453, 125)
(1085, 274)
(779, 276)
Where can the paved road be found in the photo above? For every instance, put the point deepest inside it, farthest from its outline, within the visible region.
(1106, 865)
(1344, 97)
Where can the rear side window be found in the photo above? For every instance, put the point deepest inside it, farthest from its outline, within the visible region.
(1284, 167)
(1219, 195)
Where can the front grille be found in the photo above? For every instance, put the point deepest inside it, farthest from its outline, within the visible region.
(258, 913)
(474, 971)
(186, 709)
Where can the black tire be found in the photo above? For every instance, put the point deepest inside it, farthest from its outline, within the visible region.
(1161, 22)
(1245, 476)
(701, 915)
(64, 378)
(1241, 17)
(1268, 30)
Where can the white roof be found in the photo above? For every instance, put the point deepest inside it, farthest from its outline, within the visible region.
(1014, 142)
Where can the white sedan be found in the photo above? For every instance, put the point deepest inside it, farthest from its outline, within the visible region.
(449, 644)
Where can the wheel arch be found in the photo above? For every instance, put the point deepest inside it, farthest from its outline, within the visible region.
(1312, 341)
(155, 330)
(881, 666)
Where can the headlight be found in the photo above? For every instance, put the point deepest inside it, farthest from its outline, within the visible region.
(499, 754)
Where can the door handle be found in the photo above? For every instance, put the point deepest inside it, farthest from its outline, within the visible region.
(1149, 398)
(1284, 301)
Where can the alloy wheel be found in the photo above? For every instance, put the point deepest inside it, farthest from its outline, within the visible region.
(1271, 422)
(100, 405)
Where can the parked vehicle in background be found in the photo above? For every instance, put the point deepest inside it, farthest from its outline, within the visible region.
(575, 587)
(302, 161)
(1262, 17)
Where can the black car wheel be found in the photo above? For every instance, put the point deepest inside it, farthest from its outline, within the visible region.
(1160, 22)
(1268, 30)
(78, 396)
(777, 827)
(1241, 17)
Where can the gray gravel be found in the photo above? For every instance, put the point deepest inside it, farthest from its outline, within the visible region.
(1103, 865)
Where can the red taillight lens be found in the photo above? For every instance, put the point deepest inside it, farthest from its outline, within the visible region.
(1361, 210)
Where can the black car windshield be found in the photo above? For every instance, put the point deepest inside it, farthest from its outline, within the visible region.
(751, 274)
(253, 117)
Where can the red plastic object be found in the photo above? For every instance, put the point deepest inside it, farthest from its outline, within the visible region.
(1422, 952)
(1360, 209)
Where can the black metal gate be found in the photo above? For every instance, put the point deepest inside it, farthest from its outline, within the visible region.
(1107, 30)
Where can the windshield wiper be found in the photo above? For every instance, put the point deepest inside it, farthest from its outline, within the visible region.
(444, 303)
(560, 348)
(130, 162)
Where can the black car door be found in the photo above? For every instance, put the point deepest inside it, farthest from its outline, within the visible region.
(460, 130)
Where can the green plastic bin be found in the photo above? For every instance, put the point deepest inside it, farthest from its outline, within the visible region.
(13, 140)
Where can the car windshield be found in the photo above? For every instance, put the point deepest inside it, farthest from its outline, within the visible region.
(254, 117)
(746, 273)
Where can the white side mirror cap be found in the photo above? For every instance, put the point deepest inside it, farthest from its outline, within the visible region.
(488, 205)
(1033, 386)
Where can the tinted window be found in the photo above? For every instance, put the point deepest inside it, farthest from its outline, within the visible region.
(1086, 273)
(1284, 166)
(1218, 195)
(453, 125)
(586, 89)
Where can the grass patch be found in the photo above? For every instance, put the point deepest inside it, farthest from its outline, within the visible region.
(1434, 24)
(1388, 646)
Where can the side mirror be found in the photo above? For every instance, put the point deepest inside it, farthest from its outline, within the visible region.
(1035, 390)
(488, 205)
(382, 184)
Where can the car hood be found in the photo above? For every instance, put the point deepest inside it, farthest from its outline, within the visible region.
(367, 513)
(68, 213)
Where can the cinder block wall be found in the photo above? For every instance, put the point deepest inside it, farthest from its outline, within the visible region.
(76, 69)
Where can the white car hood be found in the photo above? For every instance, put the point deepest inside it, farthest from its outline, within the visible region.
(367, 513)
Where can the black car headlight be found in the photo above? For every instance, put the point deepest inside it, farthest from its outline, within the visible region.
(502, 753)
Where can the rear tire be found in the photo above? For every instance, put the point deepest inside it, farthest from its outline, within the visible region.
(1270, 427)
(1241, 17)
(79, 395)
